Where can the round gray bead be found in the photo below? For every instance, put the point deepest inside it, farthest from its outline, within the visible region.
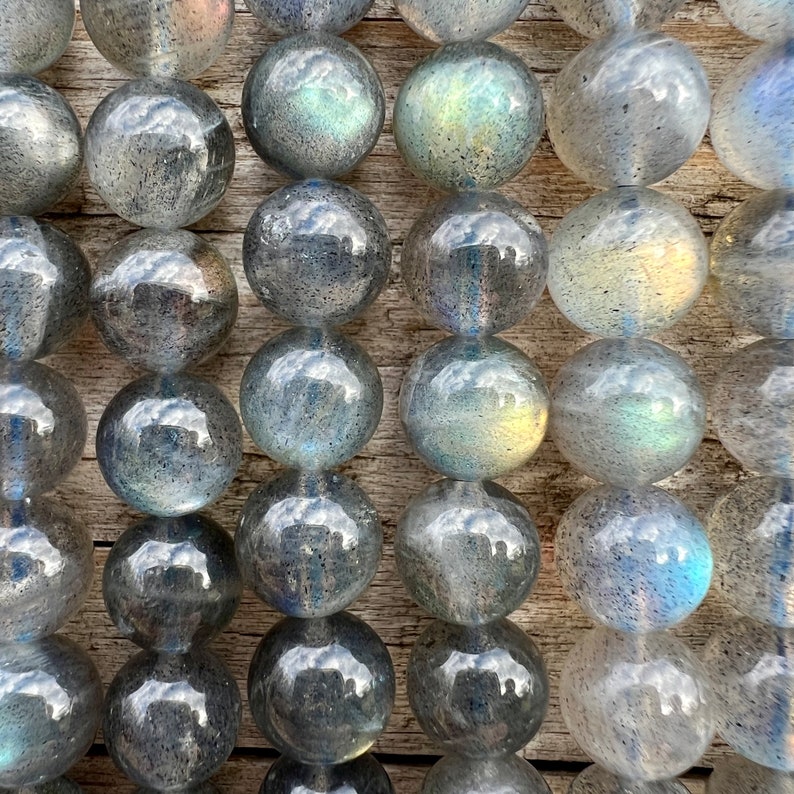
(364, 775)
(34, 35)
(297, 16)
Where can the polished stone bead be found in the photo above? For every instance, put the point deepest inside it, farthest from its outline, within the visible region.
(475, 263)
(445, 21)
(752, 124)
(311, 399)
(313, 106)
(308, 543)
(169, 445)
(597, 780)
(160, 152)
(163, 300)
(768, 20)
(297, 16)
(628, 262)
(170, 721)
(34, 119)
(629, 109)
(44, 281)
(364, 775)
(169, 38)
(598, 18)
(627, 411)
(639, 705)
(477, 691)
(321, 690)
(46, 567)
(50, 708)
(317, 253)
(468, 116)
(33, 36)
(60, 785)
(172, 584)
(737, 775)
(42, 429)
(507, 775)
(474, 409)
(467, 552)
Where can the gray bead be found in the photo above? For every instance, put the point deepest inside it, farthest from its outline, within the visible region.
(313, 106)
(163, 300)
(170, 721)
(160, 152)
(172, 584)
(308, 543)
(768, 20)
(597, 18)
(34, 35)
(329, 16)
(507, 775)
(60, 785)
(597, 780)
(44, 281)
(737, 775)
(317, 253)
(321, 690)
(364, 775)
(480, 692)
(35, 118)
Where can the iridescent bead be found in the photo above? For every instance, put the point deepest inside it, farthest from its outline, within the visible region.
(42, 429)
(159, 152)
(468, 552)
(596, 780)
(35, 118)
(752, 123)
(170, 721)
(44, 280)
(629, 109)
(308, 543)
(640, 705)
(737, 775)
(163, 300)
(46, 567)
(297, 16)
(768, 20)
(475, 263)
(474, 409)
(445, 21)
(172, 584)
(60, 785)
(627, 411)
(169, 445)
(628, 262)
(507, 775)
(598, 18)
(311, 399)
(313, 106)
(364, 775)
(477, 691)
(33, 36)
(321, 690)
(468, 116)
(317, 253)
(169, 38)
(50, 707)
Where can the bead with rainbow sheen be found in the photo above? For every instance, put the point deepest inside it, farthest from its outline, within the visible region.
(597, 780)
(737, 775)
(456, 774)
(628, 262)
(363, 775)
(598, 18)
(468, 117)
(474, 409)
(768, 20)
(297, 16)
(33, 36)
(627, 411)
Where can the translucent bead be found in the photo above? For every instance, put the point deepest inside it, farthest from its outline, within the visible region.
(627, 411)
(443, 21)
(313, 106)
(737, 775)
(42, 429)
(46, 567)
(469, 116)
(596, 780)
(629, 262)
(477, 691)
(60, 785)
(163, 300)
(172, 584)
(598, 18)
(752, 129)
(474, 409)
(475, 263)
(170, 38)
(33, 36)
(311, 399)
(321, 690)
(170, 721)
(35, 118)
(629, 109)
(44, 280)
(329, 16)
(640, 705)
(160, 152)
(468, 552)
(752, 671)
(364, 775)
(169, 445)
(50, 707)
(751, 405)
(308, 543)
(508, 775)
(317, 253)
(768, 20)
(635, 560)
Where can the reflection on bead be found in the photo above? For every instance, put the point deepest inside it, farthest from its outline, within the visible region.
(507, 775)
(597, 18)
(33, 36)
(596, 780)
(768, 20)
(737, 775)
(364, 775)
(329, 16)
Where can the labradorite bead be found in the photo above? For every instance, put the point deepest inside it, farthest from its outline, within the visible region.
(364, 775)
(34, 35)
(737, 775)
(455, 774)
(597, 780)
(297, 16)
(60, 785)
(598, 18)
(768, 20)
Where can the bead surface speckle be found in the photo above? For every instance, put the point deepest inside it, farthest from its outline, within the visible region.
(509, 774)
(768, 20)
(33, 36)
(364, 775)
(737, 775)
(597, 780)
(597, 18)
(297, 16)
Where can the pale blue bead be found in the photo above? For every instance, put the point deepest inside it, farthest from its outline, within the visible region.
(444, 21)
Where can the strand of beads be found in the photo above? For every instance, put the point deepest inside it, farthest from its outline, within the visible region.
(474, 407)
(316, 253)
